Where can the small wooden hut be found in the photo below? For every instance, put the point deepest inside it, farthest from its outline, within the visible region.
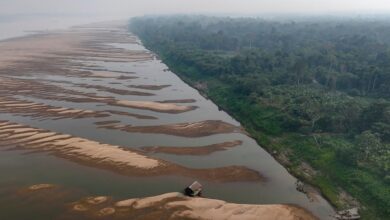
(195, 189)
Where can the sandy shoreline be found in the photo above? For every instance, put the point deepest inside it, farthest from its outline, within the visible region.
(172, 205)
(177, 206)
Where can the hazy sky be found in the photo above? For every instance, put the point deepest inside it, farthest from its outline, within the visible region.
(140, 7)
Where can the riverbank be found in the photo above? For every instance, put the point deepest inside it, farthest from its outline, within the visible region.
(296, 152)
(217, 91)
(325, 188)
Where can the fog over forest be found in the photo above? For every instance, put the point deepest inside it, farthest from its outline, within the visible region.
(126, 8)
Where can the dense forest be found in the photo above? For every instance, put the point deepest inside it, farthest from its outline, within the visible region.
(314, 93)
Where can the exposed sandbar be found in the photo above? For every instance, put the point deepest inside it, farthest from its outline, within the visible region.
(194, 129)
(155, 106)
(115, 158)
(32, 109)
(200, 151)
(149, 87)
(114, 90)
(41, 186)
(177, 206)
(203, 208)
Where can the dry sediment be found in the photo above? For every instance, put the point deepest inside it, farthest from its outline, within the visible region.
(149, 87)
(60, 54)
(10, 87)
(114, 90)
(177, 206)
(198, 151)
(40, 110)
(110, 157)
(194, 129)
(41, 186)
(154, 106)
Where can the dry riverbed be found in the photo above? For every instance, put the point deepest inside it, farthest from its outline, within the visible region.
(55, 85)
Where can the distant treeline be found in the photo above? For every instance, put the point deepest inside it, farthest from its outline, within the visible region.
(314, 91)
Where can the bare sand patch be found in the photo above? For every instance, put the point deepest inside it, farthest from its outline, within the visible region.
(97, 200)
(107, 211)
(103, 74)
(125, 203)
(38, 136)
(150, 201)
(79, 208)
(177, 206)
(202, 208)
(18, 130)
(49, 139)
(199, 151)
(155, 106)
(41, 186)
(193, 129)
(22, 135)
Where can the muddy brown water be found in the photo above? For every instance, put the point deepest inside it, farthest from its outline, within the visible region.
(21, 169)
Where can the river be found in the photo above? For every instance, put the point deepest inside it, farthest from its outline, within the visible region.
(20, 169)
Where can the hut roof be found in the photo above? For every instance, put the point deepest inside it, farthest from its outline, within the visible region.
(195, 186)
